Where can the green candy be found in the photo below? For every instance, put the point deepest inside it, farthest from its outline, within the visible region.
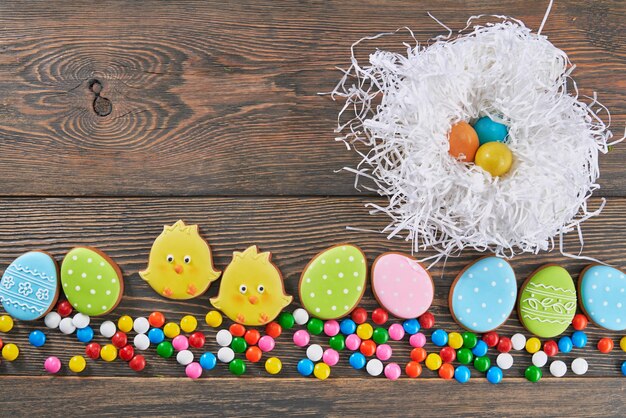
(469, 339)
(337, 342)
(315, 326)
(237, 367)
(533, 373)
(482, 364)
(238, 345)
(286, 320)
(165, 349)
(464, 355)
(380, 336)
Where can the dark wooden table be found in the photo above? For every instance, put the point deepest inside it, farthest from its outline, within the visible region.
(119, 117)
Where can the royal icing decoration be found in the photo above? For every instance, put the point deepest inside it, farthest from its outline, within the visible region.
(603, 296)
(483, 295)
(92, 282)
(333, 282)
(401, 285)
(30, 286)
(252, 290)
(547, 301)
(180, 264)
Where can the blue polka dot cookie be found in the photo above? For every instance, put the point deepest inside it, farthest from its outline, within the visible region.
(483, 295)
(602, 291)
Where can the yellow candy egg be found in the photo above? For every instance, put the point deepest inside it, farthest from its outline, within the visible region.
(125, 323)
(6, 323)
(213, 319)
(188, 323)
(495, 158)
(364, 331)
(171, 330)
(455, 340)
(108, 352)
(10, 352)
(77, 364)
(321, 371)
(533, 345)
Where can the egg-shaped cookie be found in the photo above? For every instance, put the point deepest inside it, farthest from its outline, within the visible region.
(29, 288)
(547, 302)
(92, 282)
(483, 295)
(402, 285)
(602, 292)
(333, 282)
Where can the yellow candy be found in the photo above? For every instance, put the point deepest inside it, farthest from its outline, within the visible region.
(495, 158)
(6, 323)
(171, 330)
(273, 365)
(108, 352)
(10, 352)
(125, 323)
(188, 323)
(622, 343)
(322, 370)
(77, 364)
(532, 344)
(364, 331)
(433, 361)
(455, 340)
(213, 319)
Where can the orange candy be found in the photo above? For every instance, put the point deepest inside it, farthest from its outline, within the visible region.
(413, 369)
(446, 371)
(156, 319)
(273, 329)
(418, 354)
(237, 330)
(463, 140)
(253, 354)
(605, 345)
(368, 348)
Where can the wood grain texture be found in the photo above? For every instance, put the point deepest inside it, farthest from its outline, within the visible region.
(220, 98)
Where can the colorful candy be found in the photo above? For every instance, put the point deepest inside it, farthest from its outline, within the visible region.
(495, 158)
(237, 366)
(392, 371)
(37, 338)
(446, 371)
(314, 352)
(463, 142)
(489, 131)
(254, 354)
(337, 342)
(208, 361)
(301, 338)
(433, 361)
(396, 332)
(273, 365)
(84, 335)
(494, 375)
(225, 354)
(411, 326)
(558, 368)
(52, 365)
(533, 373)
(462, 374)
(321, 371)
(193, 370)
(579, 339)
(165, 349)
(77, 364)
(156, 319)
(580, 366)
(439, 337)
(504, 361)
(300, 316)
(108, 352)
(266, 343)
(357, 361)
(138, 363)
(10, 352)
(305, 367)
(417, 340)
(141, 325)
(185, 357)
(287, 321)
(331, 328)
(533, 345)
(374, 367)
(605, 345)
(213, 319)
(413, 369)
(380, 316)
(125, 323)
(108, 329)
(540, 358)
(223, 337)
(384, 352)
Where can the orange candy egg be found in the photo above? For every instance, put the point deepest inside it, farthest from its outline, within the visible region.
(463, 142)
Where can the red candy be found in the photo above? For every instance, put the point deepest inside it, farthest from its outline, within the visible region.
(413, 369)
(119, 339)
(447, 354)
(197, 339)
(580, 322)
(156, 319)
(368, 348)
(252, 336)
(446, 371)
(138, 363)
(92, 350)
(64, 308)
(605, 345)
(254, 354)
(427, 320)
(237, 330)
(359, 315)
(1, 343)
(127, 353)
(418, 354)
(491, 339)
(504, 345)
(379, 316)
(551, 348)
(273, 329)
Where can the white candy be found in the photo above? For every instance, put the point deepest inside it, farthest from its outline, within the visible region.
(504, 361)
(301, 316)
(141, 325)
(141, 342)
(80, 320)
(580, 366)
(52, 320)
(108, 329)
(315, 352)
(558, 368)
(374, 367)
(224, 354)
(223, 337)
(66, 326)
(184, 357)
(518, 341)
(540, 358)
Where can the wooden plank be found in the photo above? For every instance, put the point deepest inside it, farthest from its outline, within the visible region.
(220, 98)
(294, 229)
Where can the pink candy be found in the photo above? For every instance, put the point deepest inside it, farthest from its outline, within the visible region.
(301, 338)
(193, 370)
(383, 352)
(52, 365)
(266, 343)
(180, 343)
(392, 371)
(417, 340)
(330, 357)
(331, 328)
(353, 342)
(396, 332)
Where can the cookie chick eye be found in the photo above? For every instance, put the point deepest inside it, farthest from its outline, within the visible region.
(187, 259)
(243, 289)
(170, 258)
(261, 288)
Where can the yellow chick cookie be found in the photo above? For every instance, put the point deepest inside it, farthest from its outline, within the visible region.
(252, 290)
(180, 264)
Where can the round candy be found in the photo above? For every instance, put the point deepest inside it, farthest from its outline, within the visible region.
(80, 320)
(455, 340)
(624, 368)
(138, 363)
(213, 319)
(141, 342)
(347, 326)
(551, 348)
(10, 352)
(469, 339)
(411, 326)
(427, 320)
(396, 332)
(184, 357)
(540, 358)
(64, 308)
(180, 343)
(579, 339)
(37, 338)
(223, 337)
(353, 342)
(364, 331)
(518, 341)
(602, 293)
(494, 375)
(108, 329)
(266, 343)
(156, 319)
(193, 370)
(171, 330)
(237, 366)
(238, 330)
(392, 371)
(315, 326)
(622, 343)
(125, 323)
(315, 352)
(225, 354)
(84, 335)
(558, 368)
(579, 322)
(52, 320)
(384, 352)
(439, 337)
(505, 345)
(239, 345)
(188, 323)
(337, 342)
(359, 315)
(52, 365)
(208, 361)
(92, 350)
(119, 339)
(66, 326)
(480, 349)
(331, 328)
(417, 340)
(379, 315)
(357, 361)
(446, 371)
(533, 345)
(273, 365)
(321, 371)
(464, 355)
(108, 352)
(77, 364)
(374, 367)
(252, 336)
(156, 335)
(301, 338)
(462, 374)
(287, 321)
(141, 325)
(380, 335)
(367, 348)
(580, 366)
(300, 316)
(605, 345)
(491, 339)
(482, 364)
(433, 361)
(533, 373)
(463, 142)
(447, 354)
(305, 367)
(565, 344)
(489, 130)
(413, 369)
(504, 361)
(254, 354)
(165, 349)
(495, 158)
(127, 352)
(418, 354)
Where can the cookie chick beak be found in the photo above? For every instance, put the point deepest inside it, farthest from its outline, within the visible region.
(253, 299)
(178, 269)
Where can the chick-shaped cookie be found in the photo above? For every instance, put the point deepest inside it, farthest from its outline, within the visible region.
(180, 264)
(252, 290)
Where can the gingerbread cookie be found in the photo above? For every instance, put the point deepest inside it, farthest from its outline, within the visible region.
(92, 282)
(483, 295)
(547, 301)
(180, 264)
(29, 288)
(402, 285)
(602, 291)
(252, 290)
(333, 282)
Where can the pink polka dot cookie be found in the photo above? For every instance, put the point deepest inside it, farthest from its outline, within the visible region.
(402, 285)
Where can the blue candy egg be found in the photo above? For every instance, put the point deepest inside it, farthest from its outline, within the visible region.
(579, 339)
(37, 338)
(347, 326)
(565, 344)
(494, 375)
(156, 335)
(208, 361)
(357, 360)
(480, 349)
(462, 374)
(411, 326)
(489, 131)
(439, 337)
(84, 335)
(305, 367)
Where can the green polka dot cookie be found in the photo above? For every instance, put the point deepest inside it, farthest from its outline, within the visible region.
(333, 282)
(92, 282)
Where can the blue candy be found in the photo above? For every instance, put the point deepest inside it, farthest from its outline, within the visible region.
(347, 326)
(305, 367)
(462, 374)
(565, 344)
(480, 349)
(624, 368)
(439, 337)
(208, 361)
(494, 375)
(37, 338)
(411, 326)
(490, 131)
(579, 339)
(84, 335)
(357, 360)
(156, 335)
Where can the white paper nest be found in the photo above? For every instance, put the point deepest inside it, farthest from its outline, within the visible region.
(401, 107)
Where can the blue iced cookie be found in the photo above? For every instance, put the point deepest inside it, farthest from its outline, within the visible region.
(29, 288)
(602, 292)
(483, 295)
